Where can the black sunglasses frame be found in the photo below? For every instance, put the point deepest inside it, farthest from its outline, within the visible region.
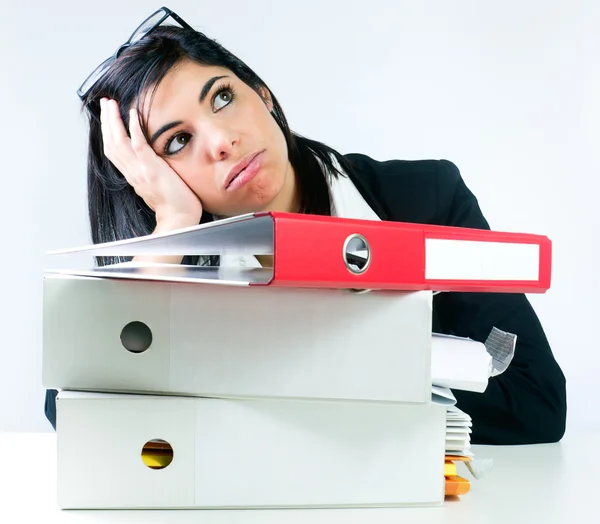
(100, 70)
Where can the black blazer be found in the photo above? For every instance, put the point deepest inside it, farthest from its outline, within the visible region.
(527, 403)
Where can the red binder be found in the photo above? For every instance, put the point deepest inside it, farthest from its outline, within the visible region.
(331, 252)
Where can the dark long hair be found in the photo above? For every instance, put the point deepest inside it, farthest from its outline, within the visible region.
(115, 211)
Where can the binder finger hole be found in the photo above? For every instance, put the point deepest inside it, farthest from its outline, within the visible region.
(136, 337)
(157, 454)
(357, 254)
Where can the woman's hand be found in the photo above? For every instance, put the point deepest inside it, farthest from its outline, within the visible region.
(173, 202)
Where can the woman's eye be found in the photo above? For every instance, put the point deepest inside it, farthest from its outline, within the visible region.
(177, 143)
(222, 99)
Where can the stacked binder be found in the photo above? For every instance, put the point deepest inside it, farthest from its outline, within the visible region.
(267, 387)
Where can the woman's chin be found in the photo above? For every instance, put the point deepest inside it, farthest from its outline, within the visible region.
(255, 203)
(242, 210)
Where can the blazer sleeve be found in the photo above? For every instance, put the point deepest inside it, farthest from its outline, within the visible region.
(527, 403)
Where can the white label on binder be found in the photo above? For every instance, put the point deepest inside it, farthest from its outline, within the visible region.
(474, 260)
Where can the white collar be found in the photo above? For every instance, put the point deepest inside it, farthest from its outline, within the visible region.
(346, 202)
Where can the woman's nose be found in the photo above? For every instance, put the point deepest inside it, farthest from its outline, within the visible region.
(221, 141)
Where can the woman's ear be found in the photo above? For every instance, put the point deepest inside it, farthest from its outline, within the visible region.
(265, 94)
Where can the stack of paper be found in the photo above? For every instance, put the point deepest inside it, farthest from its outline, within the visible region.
(465, 364)
(458, 430)
(218, 387)
(458, 441)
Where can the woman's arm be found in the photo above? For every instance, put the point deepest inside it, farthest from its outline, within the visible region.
(527, 403)
(175, 205)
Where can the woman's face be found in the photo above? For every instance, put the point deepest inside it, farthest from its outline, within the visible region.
(207, 124)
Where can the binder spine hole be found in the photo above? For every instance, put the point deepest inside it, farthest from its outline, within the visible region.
(136, 337)
(157, 454)
(357, 254)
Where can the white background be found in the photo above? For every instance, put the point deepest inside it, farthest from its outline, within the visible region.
(509, 91)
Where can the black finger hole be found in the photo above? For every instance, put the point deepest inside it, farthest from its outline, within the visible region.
(136, 337)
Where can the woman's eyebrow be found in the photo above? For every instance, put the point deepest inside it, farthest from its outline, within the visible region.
(162, 130)
(207, 87)
(203, 94)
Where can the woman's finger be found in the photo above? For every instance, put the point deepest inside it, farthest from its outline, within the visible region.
(117, 128)
(110, 149)
(117, 146)
(104, 127)
(144, 152)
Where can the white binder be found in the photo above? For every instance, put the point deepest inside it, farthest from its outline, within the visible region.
(236, 342)
(247, 453)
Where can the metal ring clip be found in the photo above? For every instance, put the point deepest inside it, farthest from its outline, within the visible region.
(356, 264)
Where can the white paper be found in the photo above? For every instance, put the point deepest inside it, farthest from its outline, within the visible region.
(442, 395)
(466, 364)
(458, 432)
(457, 429)
(501, 346)
(459, 363)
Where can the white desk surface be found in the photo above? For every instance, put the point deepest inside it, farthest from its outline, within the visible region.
(548, 483)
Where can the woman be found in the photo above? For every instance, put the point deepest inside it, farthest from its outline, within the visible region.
(182, 131)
